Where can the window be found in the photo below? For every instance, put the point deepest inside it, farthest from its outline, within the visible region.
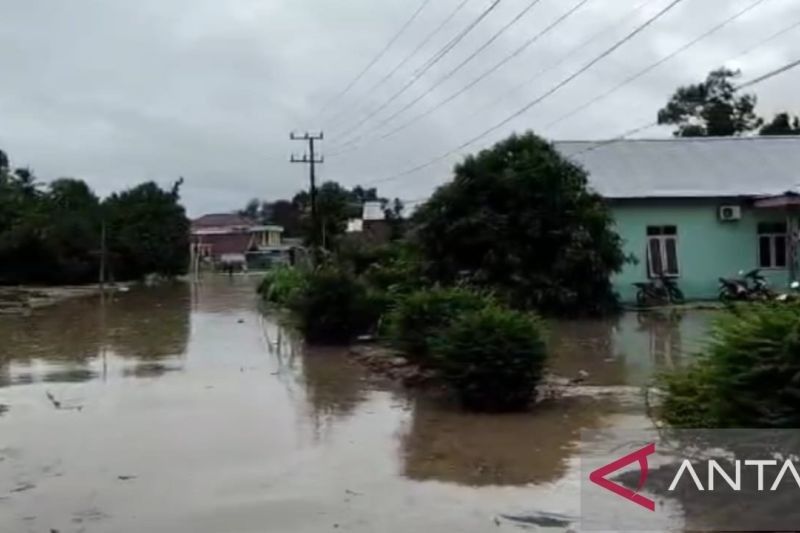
(662, 251)
(772, 249)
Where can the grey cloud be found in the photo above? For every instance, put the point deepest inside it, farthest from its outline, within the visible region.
(116, 91)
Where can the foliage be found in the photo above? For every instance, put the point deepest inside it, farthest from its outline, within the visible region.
(748, 376)
(282, 285)
(52, 234)
(395, 267)
(148, 231)
(711, 108)
(333, 307)
(419, 316)
(781, 124)
(493, 357)
(519, 219)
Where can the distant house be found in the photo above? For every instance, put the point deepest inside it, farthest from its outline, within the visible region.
(230, 239)
(696, 209)
(372, 227)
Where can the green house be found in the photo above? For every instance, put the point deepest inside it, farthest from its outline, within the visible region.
(697, 209)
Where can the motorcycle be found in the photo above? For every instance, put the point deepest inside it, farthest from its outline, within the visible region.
(659, 291)
(733, 289)
(749, 286)
(757, 285)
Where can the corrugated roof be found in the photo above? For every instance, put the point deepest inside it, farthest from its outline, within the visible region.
(221, 219)
(689, 167)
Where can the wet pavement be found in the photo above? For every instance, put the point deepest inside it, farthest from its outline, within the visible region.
(187, 410)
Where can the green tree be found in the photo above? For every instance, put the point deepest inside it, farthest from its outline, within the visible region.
(519, 219)
(711, 108)
(252, 210)
(781, 124)
(148, 231)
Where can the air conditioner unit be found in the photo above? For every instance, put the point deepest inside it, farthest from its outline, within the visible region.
(730, 212)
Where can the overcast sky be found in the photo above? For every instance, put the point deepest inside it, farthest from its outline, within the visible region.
(121, 91)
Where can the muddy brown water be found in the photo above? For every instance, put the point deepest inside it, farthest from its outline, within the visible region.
(187, 410)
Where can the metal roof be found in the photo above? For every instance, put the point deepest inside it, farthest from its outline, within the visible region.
(689, 167)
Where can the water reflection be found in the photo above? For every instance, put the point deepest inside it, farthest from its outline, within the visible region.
(483, 449)
(333, 384)
(75, 340)
(629, 349)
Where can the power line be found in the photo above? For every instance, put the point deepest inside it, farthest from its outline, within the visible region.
(411, 55)
(639, 129)
(767, 39)
(655, 65)
(539, 99)
(751, 83)
(467, 87)
(428, 65)
(461, 65)
(377, 58)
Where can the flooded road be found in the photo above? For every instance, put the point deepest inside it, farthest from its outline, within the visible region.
(186, 410)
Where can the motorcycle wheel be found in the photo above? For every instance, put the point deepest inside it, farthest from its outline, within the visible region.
(676, 295)
(725, 295)
(642, 300)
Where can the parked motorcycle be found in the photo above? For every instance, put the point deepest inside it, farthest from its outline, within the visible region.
(749, 286)
(731, 289)
(659, 291)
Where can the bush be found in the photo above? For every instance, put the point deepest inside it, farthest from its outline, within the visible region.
(280, 285)
(333, 307)
(748, 376)
(520, 219)
(493, 358)
(419, 316)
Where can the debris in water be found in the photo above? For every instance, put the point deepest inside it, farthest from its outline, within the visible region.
(58, 405)
(125, 478)
(582, 376)
(352, 492)
(23, 487)
(240, 321)
(52, 399)
(541, 519)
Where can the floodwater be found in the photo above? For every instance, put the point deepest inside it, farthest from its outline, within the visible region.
(186, 410)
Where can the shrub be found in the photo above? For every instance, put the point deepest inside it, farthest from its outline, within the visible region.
(280, 285)
(420, 315)
(333, 307)
(493, 358)
(748, 376)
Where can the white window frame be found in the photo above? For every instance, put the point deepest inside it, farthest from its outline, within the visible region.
(772, 254)
(662, 248)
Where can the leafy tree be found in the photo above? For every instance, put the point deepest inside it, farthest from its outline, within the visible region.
(252, 210)
(519, 219)
(148, 231)
(711, 108)
(781, 124)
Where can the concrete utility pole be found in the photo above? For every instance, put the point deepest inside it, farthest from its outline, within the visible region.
(311, 160)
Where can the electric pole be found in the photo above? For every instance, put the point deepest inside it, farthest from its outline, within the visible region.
(311, 160)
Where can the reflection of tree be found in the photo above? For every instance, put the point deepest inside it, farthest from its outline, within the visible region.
(150, 323)
(334, 385)
(146, 324)
(483, 449)
(67, 334)
(586, 345)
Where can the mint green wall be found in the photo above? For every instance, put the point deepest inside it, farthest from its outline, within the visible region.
(707, 248)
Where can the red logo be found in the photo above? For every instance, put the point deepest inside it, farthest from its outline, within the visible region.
(599, 476)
